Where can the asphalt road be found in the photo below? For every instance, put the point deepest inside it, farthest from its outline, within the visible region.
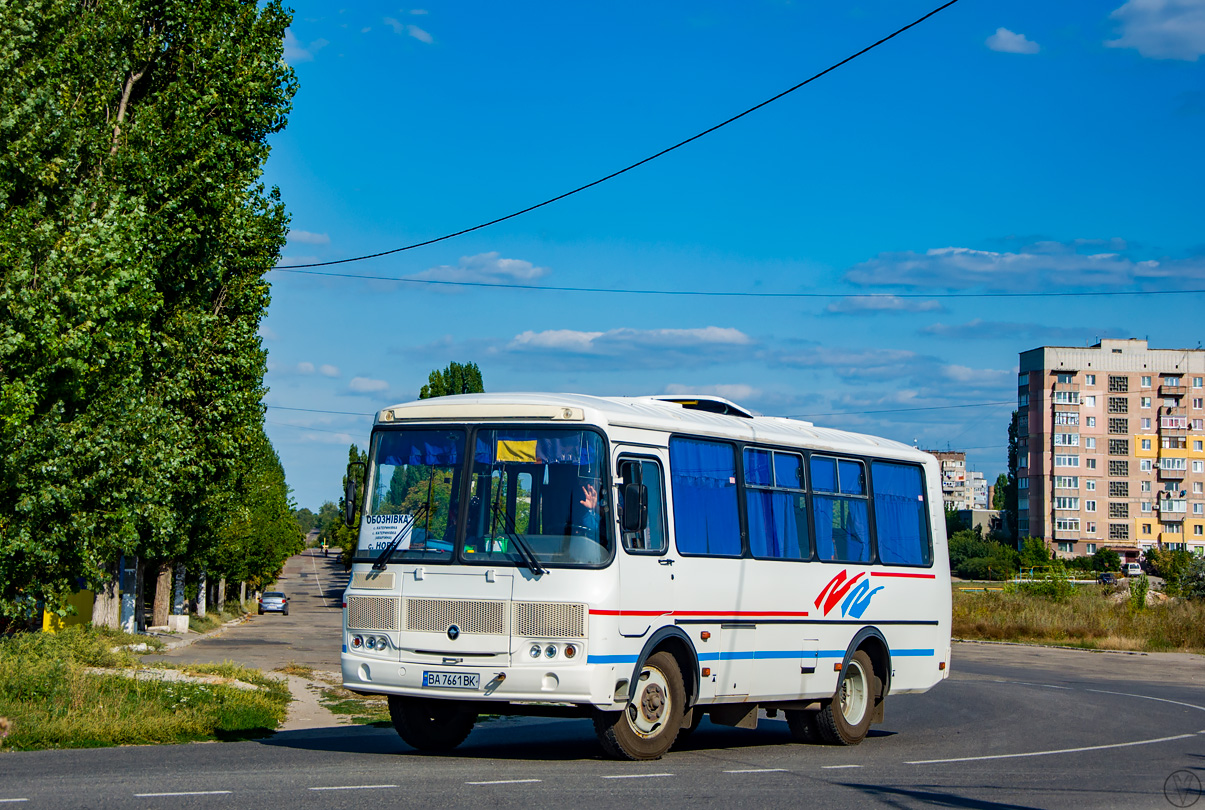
(1014, 727)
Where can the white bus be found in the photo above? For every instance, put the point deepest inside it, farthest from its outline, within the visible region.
(640, 561)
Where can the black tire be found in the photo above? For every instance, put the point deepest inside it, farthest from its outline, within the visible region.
(846, 718)
(261, 611)
(803, 725)
(285, 611)
(431, 725)
(658, 706)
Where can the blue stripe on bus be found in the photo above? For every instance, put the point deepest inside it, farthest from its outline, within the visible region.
(746, 655)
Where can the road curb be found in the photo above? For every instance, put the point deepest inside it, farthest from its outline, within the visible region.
(1044, 646)
(173, 643)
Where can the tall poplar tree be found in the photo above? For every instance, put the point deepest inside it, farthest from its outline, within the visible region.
(134, 234)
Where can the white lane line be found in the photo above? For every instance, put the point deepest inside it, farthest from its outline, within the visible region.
(759, 770)
(637, 775)
(354, 787)
(1049, 753)
(321, 593)
(13, 800)
(505, 782)
(1148, 697)
(182, 793)
(839, 767)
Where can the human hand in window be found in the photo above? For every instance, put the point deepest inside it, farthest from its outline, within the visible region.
(591, 499)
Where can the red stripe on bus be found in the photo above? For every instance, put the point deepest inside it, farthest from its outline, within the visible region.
(909, 576)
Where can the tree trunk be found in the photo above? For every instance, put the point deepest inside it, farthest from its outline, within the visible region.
(242, 595)
(106, 604)
(178, 591)
(140, 596)
(163, 594)
(202, 592)
(222, 595)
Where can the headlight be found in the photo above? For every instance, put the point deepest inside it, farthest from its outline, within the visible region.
(357, 642)
(370, 643)
(534, 652)
(550, 651)
(570, 651)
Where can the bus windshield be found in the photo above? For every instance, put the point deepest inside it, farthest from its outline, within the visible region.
(538, 494)
(414, 495)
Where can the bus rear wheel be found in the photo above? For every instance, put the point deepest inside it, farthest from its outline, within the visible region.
(430, 725)
(803, 725)
(649, 724)
(846, 718)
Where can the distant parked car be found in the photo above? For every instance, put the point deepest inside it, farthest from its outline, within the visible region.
(274, 601)
(1132, 569)
(1107, 578)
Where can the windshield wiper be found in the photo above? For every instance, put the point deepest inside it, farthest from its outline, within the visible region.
(379, 565)
(525, 553)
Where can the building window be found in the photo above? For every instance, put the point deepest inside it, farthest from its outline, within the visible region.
(1119, 531)
(1171, 528)
(1176, 464)
(1090, 442)
(1146, 528)
(1146, 402)
(1066, 397)
(1119, 425)
(1119, 509)
(1091, 527)
(1174, 442)
(1119, 447)
(1090, 548)
(1174, 382)
(1066, 524)
(1066, 548)
(1196, 382)
(1022, 483)
(1066, 418)
(1066, 461)
(1198, 488)
(1198, 466)
(1198, 530)
(1146, 381)
(1146, 423)
(1090, 379)
(1023, 399)
(1023, 460)
(1198, 403)
(1145, 486)
(1119, 489)
(1090, 421)
(1090, 484)
(1064, 378)
(1023, 378)
(1090, 402)
(1198, 508)
(1171, 402)
(1090, 463)
(1145, 506)
(1066, 440)
(1146, 444)
(1198, 424)
(1066, 482)
(1119, 385)
(1145, 465)
(1067, 503)
(1089, 506)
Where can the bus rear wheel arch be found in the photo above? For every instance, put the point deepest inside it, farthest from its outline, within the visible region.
(846, 718)
(648, 725)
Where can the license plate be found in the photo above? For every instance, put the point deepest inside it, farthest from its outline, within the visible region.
(452, 680)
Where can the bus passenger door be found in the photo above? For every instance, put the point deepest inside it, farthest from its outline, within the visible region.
(646, 563)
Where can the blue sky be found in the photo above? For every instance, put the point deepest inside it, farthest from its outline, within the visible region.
(998, 147)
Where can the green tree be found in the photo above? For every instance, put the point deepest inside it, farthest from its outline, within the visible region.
(973, 557)
(1106, 559)
(1000, 492)
(455, 379)
(1034, 553)
(336, 533)
(1010, 492)
(134, 233)
(307, 521)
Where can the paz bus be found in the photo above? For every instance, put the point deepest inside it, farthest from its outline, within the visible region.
(641, 561)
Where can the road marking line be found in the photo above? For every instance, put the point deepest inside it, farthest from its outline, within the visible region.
(637, 775)
(1048, 753)
(318, 579)
(13, 800)
(1148, 697)
(182, 793)
(354, 787)
(759, 770)
(838, 767)
(505, 782)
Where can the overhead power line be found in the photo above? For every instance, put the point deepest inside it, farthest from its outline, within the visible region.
(736, 293)
(637, 164)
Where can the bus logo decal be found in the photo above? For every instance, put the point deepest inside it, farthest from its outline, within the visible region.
(857, 599)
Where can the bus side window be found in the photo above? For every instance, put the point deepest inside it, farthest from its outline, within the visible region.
(647, 472)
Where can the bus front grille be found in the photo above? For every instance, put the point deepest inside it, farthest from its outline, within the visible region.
(549, 620)
(471, 616)
(372, 613)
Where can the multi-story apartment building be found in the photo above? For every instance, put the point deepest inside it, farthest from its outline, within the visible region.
(955, 490)
(1112, 450)
(980, 490)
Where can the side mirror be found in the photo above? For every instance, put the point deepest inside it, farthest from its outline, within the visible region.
(355, 474)
(635, 507)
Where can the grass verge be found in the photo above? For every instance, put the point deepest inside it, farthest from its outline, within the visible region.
(50, 700)
(1087, 618)
(370, 710)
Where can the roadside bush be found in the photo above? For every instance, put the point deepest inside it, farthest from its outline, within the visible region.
(1193, 583)
(1052, 583)
(972, 557)
(1033, 553)
(1173, 566)
(1138, 589)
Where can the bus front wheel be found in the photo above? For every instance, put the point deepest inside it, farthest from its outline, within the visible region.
(430, 725)
(846, 718)
(649, 724)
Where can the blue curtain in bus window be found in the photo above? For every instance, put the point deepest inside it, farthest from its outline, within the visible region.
(788, 470)
(842, 529)
(427, 447)
(824, 474)
(853, 477)
(777, 524)
(899, 514)
(757, 467)
(703, 476)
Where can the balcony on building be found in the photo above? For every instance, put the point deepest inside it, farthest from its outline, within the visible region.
(1172, 475)
(1065, 535)
(1172, 390)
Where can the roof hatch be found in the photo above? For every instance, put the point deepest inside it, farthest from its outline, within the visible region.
(709, 404)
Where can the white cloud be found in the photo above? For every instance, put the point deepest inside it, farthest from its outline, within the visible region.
(367, 385)
(1006, 41)
(881, 303)
(979, 329)
(736, 392)
(398, 28)
(366, 29)
(419, 34)
(853, 362)
(309, 238)
(1162, 29)
(621, 341)
(485, 268)
(327, 370)
(266, 333)
(295, 52)
(976, 376)
(418, 11)
(1036, 267)
(330, 438)
(305, 368)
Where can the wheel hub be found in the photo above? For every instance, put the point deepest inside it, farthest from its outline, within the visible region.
(652, 702)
